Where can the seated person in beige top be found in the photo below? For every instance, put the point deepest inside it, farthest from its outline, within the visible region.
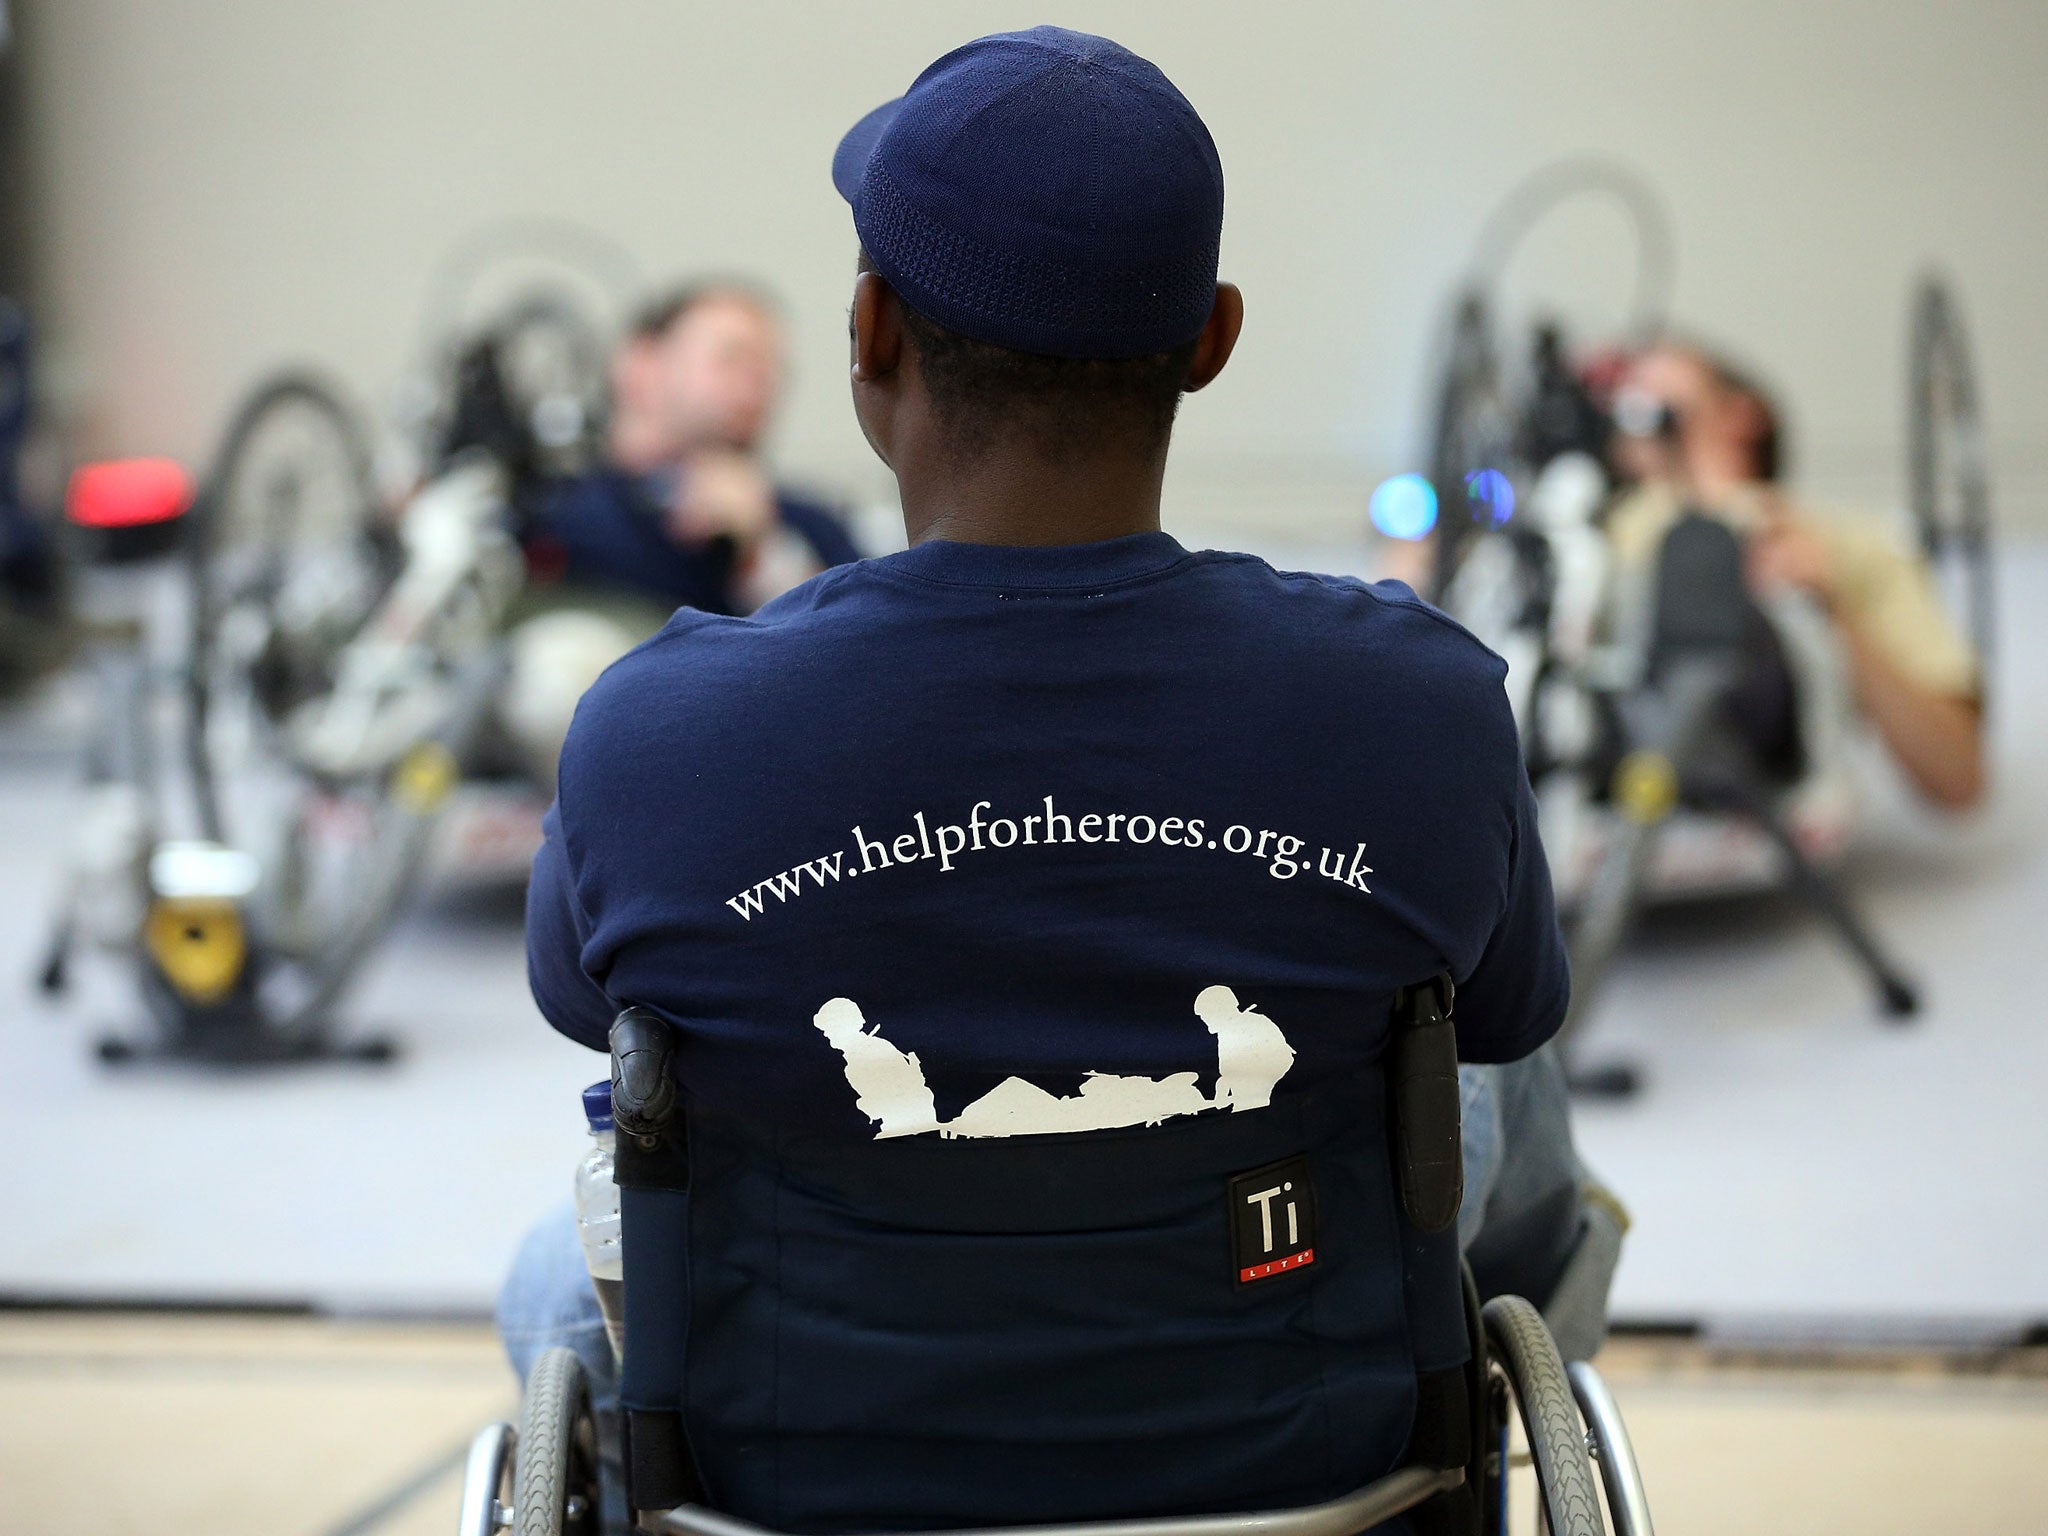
(1914, 676)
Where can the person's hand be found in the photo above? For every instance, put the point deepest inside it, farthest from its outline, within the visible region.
(723, 494)
(1785, 552)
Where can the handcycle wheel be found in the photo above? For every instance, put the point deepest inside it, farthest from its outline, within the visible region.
(1472, 430)
(1517, 1339)
(1948, 478)
(1474, 426)
(284, 570)
(529, 391)
(552, 356)
(554, 1476)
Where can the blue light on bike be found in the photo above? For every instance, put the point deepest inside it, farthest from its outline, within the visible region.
(1491, 495)
(1404, 506)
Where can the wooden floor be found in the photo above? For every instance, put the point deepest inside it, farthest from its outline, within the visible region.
(180, 1425)
(217, 1425)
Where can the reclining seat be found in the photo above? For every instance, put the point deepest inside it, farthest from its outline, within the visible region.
(1222, 1311)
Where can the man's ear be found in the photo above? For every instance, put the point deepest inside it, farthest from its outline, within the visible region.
(877, 329)
(1219, 337)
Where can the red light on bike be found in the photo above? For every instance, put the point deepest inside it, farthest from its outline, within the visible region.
(128, 493)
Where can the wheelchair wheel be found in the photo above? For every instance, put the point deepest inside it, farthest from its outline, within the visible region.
(1628, 1507)
(1520, 1347)
(487, 1482)
(554, 1476)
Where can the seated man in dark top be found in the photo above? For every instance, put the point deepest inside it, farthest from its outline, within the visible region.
(682, 514)
(1023, 898)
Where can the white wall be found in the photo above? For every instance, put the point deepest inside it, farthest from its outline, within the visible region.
(226, 183)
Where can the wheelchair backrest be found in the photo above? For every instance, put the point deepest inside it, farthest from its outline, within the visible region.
(1219, 1312)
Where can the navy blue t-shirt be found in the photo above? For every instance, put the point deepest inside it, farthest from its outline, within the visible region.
(609, 528)
(971, 843)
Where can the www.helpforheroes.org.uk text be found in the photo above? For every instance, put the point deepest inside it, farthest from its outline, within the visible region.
(981, 832)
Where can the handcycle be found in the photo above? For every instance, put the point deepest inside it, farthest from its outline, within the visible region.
(1621, 683)
(1504, 1377)
(269, 792)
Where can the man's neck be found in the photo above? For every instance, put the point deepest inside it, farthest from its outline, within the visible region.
(1011, 496)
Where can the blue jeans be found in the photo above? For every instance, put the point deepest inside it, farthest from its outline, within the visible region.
(547, 1300)
(1534, 1222)
(1526, 1226)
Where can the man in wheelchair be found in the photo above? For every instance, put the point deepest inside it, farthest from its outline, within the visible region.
(1054, 928)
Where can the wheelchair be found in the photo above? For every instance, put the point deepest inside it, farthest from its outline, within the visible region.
(541, 1477)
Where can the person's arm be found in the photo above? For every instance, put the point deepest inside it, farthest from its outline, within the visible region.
(557, 932)
(1516, 996)
(722, 494)
(726, 499)
(1935, 736)
(1514, 999)
(1936, 739)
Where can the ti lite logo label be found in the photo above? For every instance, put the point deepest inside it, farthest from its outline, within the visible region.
(1272, 1220)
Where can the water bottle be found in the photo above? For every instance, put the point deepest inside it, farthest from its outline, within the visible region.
(597, 1215)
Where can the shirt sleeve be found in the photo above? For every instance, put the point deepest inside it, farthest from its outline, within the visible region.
(1890, 595)
(1515, 997)
(557, 930)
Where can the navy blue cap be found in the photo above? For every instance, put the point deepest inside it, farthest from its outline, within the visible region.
(597, 1106)
(1045, 190)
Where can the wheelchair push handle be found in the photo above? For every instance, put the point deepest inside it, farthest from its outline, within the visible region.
(643, 1080)
(1422, 1090)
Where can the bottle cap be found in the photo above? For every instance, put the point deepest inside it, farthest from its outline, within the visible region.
(597, 1106)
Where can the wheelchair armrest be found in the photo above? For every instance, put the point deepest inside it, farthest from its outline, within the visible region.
(643, 1079)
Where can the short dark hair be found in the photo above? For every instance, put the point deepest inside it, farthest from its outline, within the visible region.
(1769, 451)
(1063, 406)
(652, 320)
